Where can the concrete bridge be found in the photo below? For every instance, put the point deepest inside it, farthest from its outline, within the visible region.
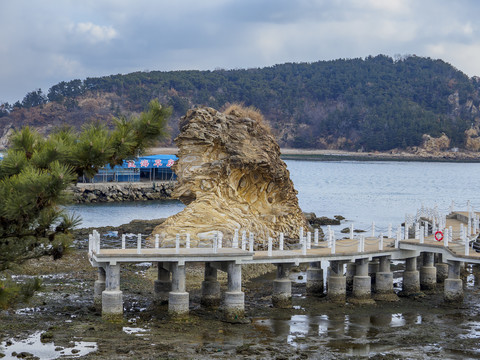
(442, 243)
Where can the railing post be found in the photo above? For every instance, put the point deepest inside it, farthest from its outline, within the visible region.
(177, 243)
(333, 246)
(244, 240)
(304, 248)
(380, 242)
(467, 247)
(251, 242)
(373, 229)
(315, 237)
(215, 243)
(235, 240)
(389, 235)
(397, 240)
(406, 231)
(351, 231)
(281, 241)
(187, 242)
(157, 241)
(269, 246)
(90, 244)
(139, 243)
(220, 239)
(300, 236)
(124, 240)
(309, 240)
(445, 238)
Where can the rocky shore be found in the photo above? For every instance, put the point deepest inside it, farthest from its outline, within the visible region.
(67, 324)
(126, 191)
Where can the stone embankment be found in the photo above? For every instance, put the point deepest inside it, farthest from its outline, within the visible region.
(117, 192)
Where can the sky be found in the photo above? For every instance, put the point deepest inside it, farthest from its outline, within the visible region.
(43, 42)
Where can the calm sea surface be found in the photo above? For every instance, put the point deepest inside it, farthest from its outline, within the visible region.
(362, 192)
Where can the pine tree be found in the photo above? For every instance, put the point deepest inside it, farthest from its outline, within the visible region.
(35, 173)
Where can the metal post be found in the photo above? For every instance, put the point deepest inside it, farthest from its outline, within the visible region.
(187, 242)
(177, 243)
(281, 242)
(124, 240)
(157, 240)
(315, 236)
(251, 242)
(139, 243)
(269, 246)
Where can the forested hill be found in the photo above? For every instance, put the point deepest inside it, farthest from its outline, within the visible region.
(376, 103)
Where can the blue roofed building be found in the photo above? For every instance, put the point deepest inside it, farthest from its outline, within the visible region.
(143, 168)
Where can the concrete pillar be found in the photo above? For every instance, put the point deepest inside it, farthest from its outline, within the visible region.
(351, 270)
(234, 303)
(411, 277)
(428, 273)
(442, 269)
(362, 284)
(336, 283)
(178, 298)
(453, 290)
(112, 297)
(163, 285)
(99, 286)
(282, 288)
(384, 281)
(315, 284)
(211, 296)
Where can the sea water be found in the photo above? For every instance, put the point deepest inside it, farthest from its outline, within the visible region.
(361, 191)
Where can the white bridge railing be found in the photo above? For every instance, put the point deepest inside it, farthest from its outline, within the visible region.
(426, 222)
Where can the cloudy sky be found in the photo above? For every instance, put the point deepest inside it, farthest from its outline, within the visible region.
(43, 42)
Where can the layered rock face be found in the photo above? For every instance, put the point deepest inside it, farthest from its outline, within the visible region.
(230, 176)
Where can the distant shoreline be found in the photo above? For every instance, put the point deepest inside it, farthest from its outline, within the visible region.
(340, 155)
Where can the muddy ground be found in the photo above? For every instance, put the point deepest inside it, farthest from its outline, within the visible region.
(421, 327)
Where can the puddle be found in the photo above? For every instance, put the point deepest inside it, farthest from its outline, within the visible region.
(35, 347)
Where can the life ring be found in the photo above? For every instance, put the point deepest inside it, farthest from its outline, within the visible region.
(439, 236)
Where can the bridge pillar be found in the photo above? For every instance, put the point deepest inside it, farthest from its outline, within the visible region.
(428, 273)
(442, 269)
(163, 285)
(411, 277)
(178, 298)
(315, 284)
(351, 270)
(362, 283)
(211, 296)
(384, 281)
(112, 297)
(453, 290)
(282, 288)
(336, 282)
(99, 286)
(234, 302)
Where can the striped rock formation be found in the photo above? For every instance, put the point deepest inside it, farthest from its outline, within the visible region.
(230, 176)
